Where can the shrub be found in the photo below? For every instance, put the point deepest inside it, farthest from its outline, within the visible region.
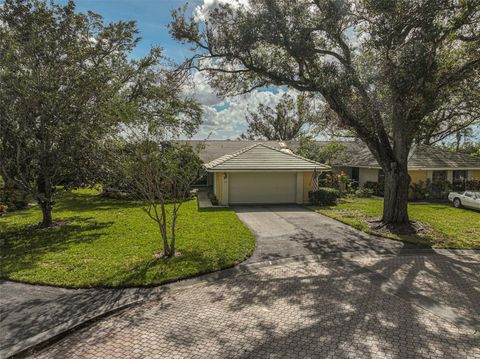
(377, 188)
(324, 196)
(438, 189)
(13, 197)
(472, 185)
(418, 191)
(363, 193)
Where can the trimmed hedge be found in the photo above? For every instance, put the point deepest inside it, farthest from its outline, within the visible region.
(324, 196)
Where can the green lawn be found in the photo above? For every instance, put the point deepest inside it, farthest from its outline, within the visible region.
(111, 243)
(447, 227)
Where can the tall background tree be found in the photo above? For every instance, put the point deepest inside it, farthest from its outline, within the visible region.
(66, 82)
(293, 117)
(383, 67)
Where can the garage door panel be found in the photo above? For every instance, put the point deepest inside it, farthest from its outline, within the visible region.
(265, 187)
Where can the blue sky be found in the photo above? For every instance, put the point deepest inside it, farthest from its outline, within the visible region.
(152, 16)
(223, 118)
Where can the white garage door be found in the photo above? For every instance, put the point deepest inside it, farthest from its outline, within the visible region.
(264, 187)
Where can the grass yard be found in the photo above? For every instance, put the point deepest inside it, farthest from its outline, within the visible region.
(111, 242)
(447, 227)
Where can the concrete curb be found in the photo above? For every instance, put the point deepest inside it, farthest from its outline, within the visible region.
(25, 346)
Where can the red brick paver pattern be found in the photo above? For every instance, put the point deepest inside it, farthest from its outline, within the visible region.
(303, 310)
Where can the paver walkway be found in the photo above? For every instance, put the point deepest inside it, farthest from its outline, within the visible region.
(330, 309)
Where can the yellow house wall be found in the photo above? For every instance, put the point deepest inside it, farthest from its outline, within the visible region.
(219, 186)
(474, 174)
(418, 176)
(307, 184)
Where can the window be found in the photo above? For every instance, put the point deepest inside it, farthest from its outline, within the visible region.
(439, 176)
(355, 173)
(381, 176)
(459, 176)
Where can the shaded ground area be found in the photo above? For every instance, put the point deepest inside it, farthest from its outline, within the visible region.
(372, 307)
(29, 312)
(289, 230)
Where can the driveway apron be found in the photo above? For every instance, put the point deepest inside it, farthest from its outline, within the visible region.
(284, 231)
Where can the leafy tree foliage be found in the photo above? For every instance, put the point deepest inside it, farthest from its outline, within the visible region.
(291, 119)
(331, 153)
(66, 82)
(456, 117)
(383, 67)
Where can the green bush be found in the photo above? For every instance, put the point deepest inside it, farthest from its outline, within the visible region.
(324, 196)
(12, 197)
(377, 188)
(472, 185)
(363, 193)
(418, 191)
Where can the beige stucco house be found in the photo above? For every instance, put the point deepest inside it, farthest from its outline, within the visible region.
(424, 163)
(261, 174)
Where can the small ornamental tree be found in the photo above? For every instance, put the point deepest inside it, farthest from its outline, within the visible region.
(383, 67)
(161, 176)
(143, 154)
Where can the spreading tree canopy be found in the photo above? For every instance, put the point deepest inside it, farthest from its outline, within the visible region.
(292, 118)
(383, 67)
(67, 81)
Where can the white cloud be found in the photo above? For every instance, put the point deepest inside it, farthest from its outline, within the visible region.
(227, 119)
(201, 11)
(201, 90)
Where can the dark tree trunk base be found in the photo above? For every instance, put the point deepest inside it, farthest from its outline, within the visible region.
(395, 204)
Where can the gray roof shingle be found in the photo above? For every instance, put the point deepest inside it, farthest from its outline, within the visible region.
(421, 157)
(261, 157)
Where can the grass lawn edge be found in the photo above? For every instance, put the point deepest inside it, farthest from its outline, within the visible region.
(209, 242)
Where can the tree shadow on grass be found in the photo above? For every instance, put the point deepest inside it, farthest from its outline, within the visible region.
(86, 202)
(25, 247)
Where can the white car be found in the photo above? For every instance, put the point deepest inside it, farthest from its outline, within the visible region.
(468, 199)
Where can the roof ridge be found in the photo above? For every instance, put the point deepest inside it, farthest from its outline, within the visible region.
(294, 155)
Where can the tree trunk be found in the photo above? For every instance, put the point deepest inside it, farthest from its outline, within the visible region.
(46, 205)
(395, 204)
(46, 214)
(166, 247)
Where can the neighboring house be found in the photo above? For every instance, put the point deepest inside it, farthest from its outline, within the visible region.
(425, 163)
(261, 174)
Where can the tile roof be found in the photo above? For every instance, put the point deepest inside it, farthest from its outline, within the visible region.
(421, 157)
(261, 156)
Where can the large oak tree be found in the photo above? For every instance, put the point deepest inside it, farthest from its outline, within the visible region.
(382, 66)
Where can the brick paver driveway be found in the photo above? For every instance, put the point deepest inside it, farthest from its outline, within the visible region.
(424, 306)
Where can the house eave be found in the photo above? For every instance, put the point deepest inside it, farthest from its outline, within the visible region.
(268, 170)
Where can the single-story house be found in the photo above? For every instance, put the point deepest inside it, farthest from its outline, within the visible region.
(425, 163)
(242, 171)
(261, 174)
